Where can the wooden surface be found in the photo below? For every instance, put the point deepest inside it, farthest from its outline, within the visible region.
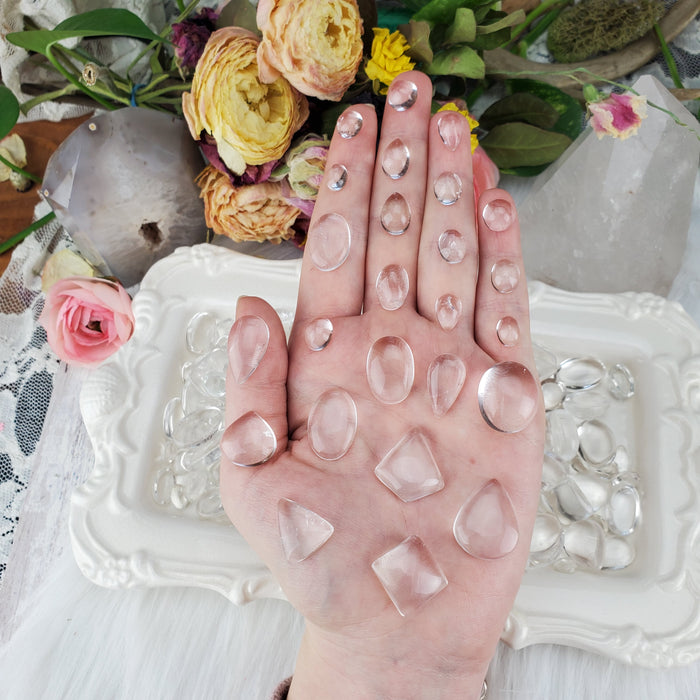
(41, 139)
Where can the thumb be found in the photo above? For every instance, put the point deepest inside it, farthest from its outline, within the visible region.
(256, 386)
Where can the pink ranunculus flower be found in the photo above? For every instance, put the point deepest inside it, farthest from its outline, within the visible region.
(618, 115)
(485, 172)
(87, 319)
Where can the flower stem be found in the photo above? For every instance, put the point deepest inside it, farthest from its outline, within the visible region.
(19, 237)
(69, 89)
(668, 57)
(543, 7)
(19, 170)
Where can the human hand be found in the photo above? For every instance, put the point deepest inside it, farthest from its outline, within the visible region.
(356, 644)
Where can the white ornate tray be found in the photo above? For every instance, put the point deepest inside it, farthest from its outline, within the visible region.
(647, 614)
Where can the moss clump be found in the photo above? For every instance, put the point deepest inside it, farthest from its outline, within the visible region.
(593, 27)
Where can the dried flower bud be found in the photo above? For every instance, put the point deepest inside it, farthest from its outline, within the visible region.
(91, 74)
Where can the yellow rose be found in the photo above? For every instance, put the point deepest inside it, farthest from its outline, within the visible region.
(315, 44)
(252, 123)
(389, 57)
(246, 212)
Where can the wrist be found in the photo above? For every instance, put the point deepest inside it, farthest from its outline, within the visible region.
(386, 669)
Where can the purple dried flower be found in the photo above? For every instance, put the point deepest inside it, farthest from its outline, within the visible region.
(190, 37)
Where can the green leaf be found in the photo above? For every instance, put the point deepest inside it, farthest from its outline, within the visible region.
(9, 111)
(521, 107)
(518, 144)
(463, 28)
(505, 20)
(418, 37)
(438, 11)
(494, 40)
(104, 22)
(462, 61)
(570, 112)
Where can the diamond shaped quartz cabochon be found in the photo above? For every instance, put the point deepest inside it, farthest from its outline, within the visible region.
(409, 574)
(626, 228)
(122, 184)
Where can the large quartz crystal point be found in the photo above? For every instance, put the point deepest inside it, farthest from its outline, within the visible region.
(612, 215)
(122, 184)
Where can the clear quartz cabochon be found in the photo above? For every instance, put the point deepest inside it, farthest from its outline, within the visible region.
(448, 309)
(561, 434)
(498, 215)
(337, 177)
(587, 405)
(302, 531)
(447, 188)
(508, 397)
(395, 215)
(247, 346)
(396, 159)
(486, 526)
(317, 334)
(545, 361)
(584, 542)
(332, 424)
(402, 94)
(390, 369)
(508, 331)
(392, 287)
(553, 393)
(349, 124)
(596, 442)
(197, 427)
(624, 508)
(505, 276)
(452, 246)
(410, 575)
(450, 126)
(249, 441)
(620, 381)
(446, 376)
(330, 242)
(409, 469)
(202, 332)
(581, 372)
(545, 543)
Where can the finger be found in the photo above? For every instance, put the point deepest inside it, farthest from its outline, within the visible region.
(333, 269)
(448, 261)
(256, 393)
(501, 324)
(396, 211)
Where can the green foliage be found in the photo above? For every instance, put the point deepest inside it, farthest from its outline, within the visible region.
(447, 37)
(518, 144)
(9, 111)
(530, 127)
(522, 107)
(462, 61)
(105, 22)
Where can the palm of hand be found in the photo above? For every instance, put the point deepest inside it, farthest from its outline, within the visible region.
(335, 588)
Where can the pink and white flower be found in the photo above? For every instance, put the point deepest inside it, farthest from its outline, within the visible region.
(619, 115)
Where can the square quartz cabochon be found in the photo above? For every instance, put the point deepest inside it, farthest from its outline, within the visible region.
(646, 614)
